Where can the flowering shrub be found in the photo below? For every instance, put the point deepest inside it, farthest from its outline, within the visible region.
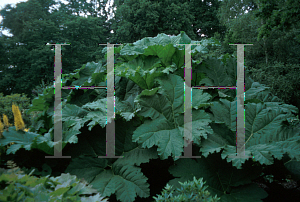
(21, 101)
(19, 123)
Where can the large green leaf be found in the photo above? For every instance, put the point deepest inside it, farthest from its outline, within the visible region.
(225, 112)
(289, 141)
(166, 127)
(95, 112)
(217, 73)
(21, 139)
(91, 74)
(229, 183)
(143, 71)
(199, 99)
(216, 141)
(123, 178)
(263, 127)
(263, 122)
(260, 92)
(29, 140)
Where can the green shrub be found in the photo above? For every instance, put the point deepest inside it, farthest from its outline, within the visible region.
(18, 187)
(189, 191)
(284, 80)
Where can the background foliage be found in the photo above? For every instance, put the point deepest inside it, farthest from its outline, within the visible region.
(149, 134)
(271, 26)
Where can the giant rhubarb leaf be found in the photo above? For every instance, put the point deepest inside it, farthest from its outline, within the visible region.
(126, 92)
(229, 183)
(142, 70)
(110, 176)
(263, 127)
(29, 140)
(91, 74)
(21, 139)
(165, 108)
(126, 181)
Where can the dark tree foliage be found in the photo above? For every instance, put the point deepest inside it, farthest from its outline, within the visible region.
(138, 19)
(32, 26)
(281, 15)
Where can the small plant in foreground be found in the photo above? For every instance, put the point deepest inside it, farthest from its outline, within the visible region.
(189, 191)
(19, 187)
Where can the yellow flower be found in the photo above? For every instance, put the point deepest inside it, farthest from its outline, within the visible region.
(26, 129)
(5, 120)
(19, 123)
(1, 127)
